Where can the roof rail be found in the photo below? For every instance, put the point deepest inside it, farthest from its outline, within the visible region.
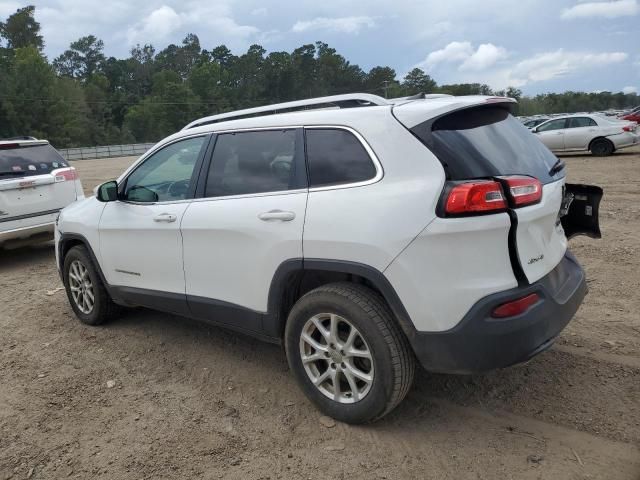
(419, 96)
(336, 101)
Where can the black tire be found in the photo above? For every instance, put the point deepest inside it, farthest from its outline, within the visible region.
(602, 147)
(103, 307)
(392, 357)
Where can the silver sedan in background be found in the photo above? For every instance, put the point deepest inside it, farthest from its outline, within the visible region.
(587, 132)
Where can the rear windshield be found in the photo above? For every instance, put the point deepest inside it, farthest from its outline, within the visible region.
(486, 141)
(27, 161)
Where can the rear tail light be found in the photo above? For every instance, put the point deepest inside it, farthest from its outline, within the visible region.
(474, 197)
(523, 191)
(9, 146)
(628, 128)
(68, 174)
(515, 307)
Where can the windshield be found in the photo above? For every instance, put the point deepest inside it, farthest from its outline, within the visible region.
(487, 142)
(25, 161)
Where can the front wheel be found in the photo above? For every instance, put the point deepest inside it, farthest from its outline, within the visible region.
(347, 352)
(87, 295)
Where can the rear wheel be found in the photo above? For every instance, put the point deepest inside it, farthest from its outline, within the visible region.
(87, 295)
(347, 353)
(602, 147)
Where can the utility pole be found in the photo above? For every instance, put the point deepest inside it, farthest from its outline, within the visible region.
(386, 87)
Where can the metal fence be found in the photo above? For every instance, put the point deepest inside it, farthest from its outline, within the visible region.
(86, 153)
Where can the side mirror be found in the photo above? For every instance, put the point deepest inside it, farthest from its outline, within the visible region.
(108, 192)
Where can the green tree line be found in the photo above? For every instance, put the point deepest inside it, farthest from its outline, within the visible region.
(83, 97)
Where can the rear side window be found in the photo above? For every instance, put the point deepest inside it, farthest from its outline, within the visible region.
(256, 162)
(27, 161)
(336, 157)
(486, 142)
(578, 122)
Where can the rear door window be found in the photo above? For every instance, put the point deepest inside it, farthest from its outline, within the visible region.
(486, 141)
(29, 160)
(256, 162)
(578, 122)
(336, 157)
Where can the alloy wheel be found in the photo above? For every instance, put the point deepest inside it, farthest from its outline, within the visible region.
(81, 287)
(336, 358)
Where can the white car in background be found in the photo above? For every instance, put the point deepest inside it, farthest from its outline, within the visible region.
(36, 182)
(599, 135)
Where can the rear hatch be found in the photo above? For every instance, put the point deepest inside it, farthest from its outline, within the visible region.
(34, 180)
(484, 142)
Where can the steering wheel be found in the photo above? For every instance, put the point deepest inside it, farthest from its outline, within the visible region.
(178, 189)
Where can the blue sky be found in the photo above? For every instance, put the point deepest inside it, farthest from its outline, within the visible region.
(536, 45)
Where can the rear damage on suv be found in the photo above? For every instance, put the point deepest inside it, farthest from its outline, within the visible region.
(507, 285)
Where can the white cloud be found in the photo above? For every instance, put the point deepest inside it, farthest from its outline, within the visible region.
(470, 59)
(628, 90)
(606, 9)
(340, 24)
(548, 66)
(158, 25)
(8, 8)
(486, 56)
(453, 52)
(161, 23)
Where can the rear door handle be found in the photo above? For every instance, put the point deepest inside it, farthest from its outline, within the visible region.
(165, 217)
(277, 215)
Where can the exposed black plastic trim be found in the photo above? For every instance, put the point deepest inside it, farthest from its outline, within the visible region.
(28, 215)
(582, 217)
(514, 258)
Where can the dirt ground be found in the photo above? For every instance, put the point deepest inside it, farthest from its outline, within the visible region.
(193, 401)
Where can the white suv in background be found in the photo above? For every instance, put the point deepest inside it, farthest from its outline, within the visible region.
(35, 184)
(362, 237)
(577, 133)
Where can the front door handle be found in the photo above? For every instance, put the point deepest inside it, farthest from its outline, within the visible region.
(277, 215)
(165, 217)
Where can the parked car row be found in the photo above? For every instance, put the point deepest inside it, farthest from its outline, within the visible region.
(575, 133)
(632, 116)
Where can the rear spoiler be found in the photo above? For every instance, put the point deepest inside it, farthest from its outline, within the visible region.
(412, 113)
(9, 144)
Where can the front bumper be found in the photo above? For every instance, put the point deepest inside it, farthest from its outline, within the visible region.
(480, 342)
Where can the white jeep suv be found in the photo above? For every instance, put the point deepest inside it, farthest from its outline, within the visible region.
(362, 237)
